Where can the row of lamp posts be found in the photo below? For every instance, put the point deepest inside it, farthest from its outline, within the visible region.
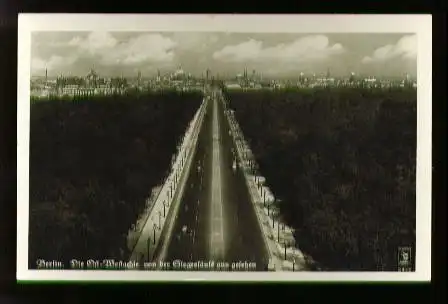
(166, 205)
(252, 166)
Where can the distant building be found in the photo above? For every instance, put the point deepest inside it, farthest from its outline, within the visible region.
(324, 82)
(92, 79)
(233, 86)
(139, 79)
(370, 80)
(179, 74)
(301, 78)
(180, 77)
(352, 77)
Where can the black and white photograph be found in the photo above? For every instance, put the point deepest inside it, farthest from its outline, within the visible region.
(224, 147)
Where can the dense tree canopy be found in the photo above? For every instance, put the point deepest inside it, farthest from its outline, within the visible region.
(343, 163)
(92, 165)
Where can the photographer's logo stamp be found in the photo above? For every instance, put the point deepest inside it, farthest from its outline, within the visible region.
(404, 259)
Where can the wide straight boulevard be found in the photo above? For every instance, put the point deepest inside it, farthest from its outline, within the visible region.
(216, 220)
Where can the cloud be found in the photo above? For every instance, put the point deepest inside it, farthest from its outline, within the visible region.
(405, 48)
(139, 49)
(76, 41)
(143, 48)
(52, 63)
(95, 42)
(307, 48)
(194, 41)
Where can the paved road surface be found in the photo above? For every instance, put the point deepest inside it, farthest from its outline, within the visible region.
(216, 220)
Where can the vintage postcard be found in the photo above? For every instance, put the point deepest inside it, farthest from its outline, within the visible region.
(224, 147)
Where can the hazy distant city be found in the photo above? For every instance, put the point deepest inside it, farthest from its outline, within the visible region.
(114, 63)
(94, 83)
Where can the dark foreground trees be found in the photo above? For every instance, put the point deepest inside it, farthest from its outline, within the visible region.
(343, 162)
(92, 165)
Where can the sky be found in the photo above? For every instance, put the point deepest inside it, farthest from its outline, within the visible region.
(226, 54)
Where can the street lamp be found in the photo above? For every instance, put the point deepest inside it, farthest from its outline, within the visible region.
(148, 243)
(164, 209)
(160, 216)
(278, 232)
(154, 231)
(285, 249)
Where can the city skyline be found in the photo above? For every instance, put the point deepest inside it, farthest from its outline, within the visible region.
(273, 55)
